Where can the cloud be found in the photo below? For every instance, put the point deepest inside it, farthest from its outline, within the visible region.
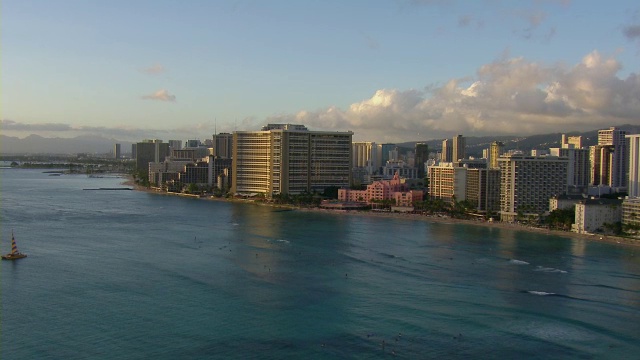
(154, 69)
(162, 95)
(125, 133)
(510, 96)
(10, 125)
(632, 32)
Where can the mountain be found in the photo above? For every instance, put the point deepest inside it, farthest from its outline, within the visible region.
(34, 144)
(475, 145)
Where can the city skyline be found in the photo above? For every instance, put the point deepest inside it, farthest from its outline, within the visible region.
(388, 70)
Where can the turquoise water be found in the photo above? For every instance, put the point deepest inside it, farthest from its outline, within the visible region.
(125, 274)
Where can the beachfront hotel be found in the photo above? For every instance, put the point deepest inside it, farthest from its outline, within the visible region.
(527, 183)
(290, 159)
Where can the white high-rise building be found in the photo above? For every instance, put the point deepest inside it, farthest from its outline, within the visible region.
(634, 166)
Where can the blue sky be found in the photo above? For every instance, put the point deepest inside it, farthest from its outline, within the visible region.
(394, 70)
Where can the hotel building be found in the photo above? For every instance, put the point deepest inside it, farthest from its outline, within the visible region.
(290, 159)
(527, 183)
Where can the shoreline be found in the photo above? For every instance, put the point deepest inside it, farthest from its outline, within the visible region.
(607, 239)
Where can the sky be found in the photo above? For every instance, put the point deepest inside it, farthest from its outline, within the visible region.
(388, 70)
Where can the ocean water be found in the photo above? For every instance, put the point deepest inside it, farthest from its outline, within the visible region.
(131, 275)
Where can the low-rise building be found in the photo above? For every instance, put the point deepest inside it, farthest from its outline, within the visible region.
(631, 212)
(395, 189)
(592, 214)
(564, 201)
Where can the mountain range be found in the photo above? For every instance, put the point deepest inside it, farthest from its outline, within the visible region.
(34, 144)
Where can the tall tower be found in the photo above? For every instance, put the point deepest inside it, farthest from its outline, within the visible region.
(459, 148)
(447, 150)
(422, 155)
(116, 151)
(619, 160)
(495, 150)
(634, 165)
(222, 145)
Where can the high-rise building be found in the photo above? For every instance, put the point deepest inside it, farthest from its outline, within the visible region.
(364, 156)
(447, 150)
(289, 159)
(600, 159)
(571, 142)
(459, 148)
(116, 151)
(175, 144)
(578, 167)
(483, 189)
(527, 183)
(421, 157)
(386, 153)
(634, 166)
(447, 182)
(619, 161)
(222, 145)
(150, 151)
(495, 150)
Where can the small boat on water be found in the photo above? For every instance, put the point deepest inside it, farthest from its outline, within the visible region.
(14, 254)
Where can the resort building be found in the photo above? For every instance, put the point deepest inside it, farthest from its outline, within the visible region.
(527, 183)
(290, 159)
(483, 189)
(447, 182)
(592, 214)
(395, 189)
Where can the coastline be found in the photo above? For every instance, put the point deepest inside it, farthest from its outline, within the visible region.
(608, 239)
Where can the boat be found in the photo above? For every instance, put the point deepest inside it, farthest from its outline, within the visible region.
(14, 254)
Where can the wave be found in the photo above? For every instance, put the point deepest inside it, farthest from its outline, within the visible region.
(549, 270)
(518, 262)
(540, 293)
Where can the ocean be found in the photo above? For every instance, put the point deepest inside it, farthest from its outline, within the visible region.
(133, 275)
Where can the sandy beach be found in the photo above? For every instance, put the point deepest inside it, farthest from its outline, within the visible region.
(617, 240)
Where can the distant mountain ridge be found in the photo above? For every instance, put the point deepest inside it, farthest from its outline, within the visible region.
(35, 144)
(475, 145)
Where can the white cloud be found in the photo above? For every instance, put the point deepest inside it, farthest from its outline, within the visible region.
(508, 96)
(162, 95)
(154, 69)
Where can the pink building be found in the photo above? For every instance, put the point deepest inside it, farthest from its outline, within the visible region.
(393, 189)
